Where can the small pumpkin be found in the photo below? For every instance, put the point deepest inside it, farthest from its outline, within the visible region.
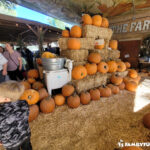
(33, 112)
(65, 33)
(97, 20)
(94, 58)
(95, 94)
(115, 79)
(102, 67)
(113, 44)
(26, 85)
(132, 148)
(31, 80)
(39, 61)
(132, 73)
(86, 19)
(146, 120)
(79, 72)
(105, 23)
(76, 32)
(73, 101)
(37, 85)
(73, 44)
(121, 86)
(85, 98)
(105, 91)
(99, 44)
(131, 86)
(144, 70)
(112, 65)
(47, 105)
(33, 73)
(31, 96)
(121, 66)
(48, 55)
(43, 93)
(128, 65)
(59, 99)
(114, 89)
(68, 90)
(91, 68)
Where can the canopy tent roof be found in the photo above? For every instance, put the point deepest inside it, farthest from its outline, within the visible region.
(71, 10)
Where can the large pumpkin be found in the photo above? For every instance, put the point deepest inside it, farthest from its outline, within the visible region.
(105, 91)
(31, 80)
(33, 73)
(132, 73)
(73, 101)
(67, 90)
(94, 58)
(128, 65)
(112, 65)
(95, 94)
(97, 20)
(48, 55)
(31, 96)
(76, 31)
(86, 19)
(91, 68)
(114, 89)
(79, 72)
(65, 33)
(113, 44)
(146, 120)
(59, 99)
(85, 98)
(102, 67)
(105, 23)
(73, 44)
(26, 85)
(47, 105)
(132, 148)
(115, 79)
(37, 85)
(121, 86)
(43, 93)
(121, 66)
(131, 86)
(33, 112)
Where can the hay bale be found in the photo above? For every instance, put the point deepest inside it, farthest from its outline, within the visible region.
(79, 63)
(103, 53)
(113, 54)
(76, 55)
(100, 79)
(90, 31)
(86, 43)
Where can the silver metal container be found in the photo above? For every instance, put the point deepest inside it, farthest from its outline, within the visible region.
(51, 64)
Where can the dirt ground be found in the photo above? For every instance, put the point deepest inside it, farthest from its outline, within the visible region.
(97, 126)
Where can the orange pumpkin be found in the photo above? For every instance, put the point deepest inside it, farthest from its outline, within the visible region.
(76, 31)
(48, 55)
(144, 70)
(26, 85)
(33, 112)
(43, 93)
(39, 61)
(105, 23)
(114, 89)
(68, 90)
(94, 58)
(113, 44)
(115, 79)
(65, 33)
(59, 99)
(121, 86)
(91, 69)
(37, 85)
(86, 19)
(112, 65)
(47, 105)
(146, 120)
(132, 73)
(102, 67)
(79, 72)
(131, 86)
(73, 101)
(121, 66)
(99, 46)
(73, 44)
(105, 91)
(33, 73)
(95, 94)
(85, 98)
(128, 65)
(31, 96)
(31, 80)
(132, 148)
(97, 20)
